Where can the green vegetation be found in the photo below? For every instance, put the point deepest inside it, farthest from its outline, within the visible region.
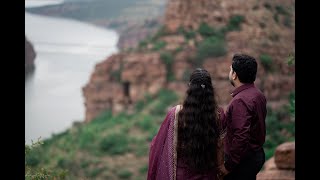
(266, 61)
(90, 151)
(142, 44)
(292, 105)
(206, 31)
(187, 34)
(161, 32)
(281, 124)
(116, 143)
(116, 74)
(158, 45)
(234, 23)
(210, 47)
(124, 174)
(267, 6)
(32, 160)
(140, 105)
(178, 49)
(96, 150)
(280, 129)
(154, 40)
(287, 21)
(281, 10)
(166, 97)
(283, 14)
(214, 44)
(143, 169)
(167, 59)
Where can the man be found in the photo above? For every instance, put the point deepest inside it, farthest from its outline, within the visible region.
(245, 122)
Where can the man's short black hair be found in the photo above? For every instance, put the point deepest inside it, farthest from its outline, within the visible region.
(245, 66)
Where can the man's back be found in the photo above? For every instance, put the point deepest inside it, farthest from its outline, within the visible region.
(245, 121)
(255, 102)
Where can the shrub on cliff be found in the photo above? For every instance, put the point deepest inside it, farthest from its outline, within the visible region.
(234, 23)
(211, 47)
(31, 161)
(280, 130)
(266, 61)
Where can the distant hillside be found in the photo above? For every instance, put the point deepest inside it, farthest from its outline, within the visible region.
(139, 18)
(85, 10)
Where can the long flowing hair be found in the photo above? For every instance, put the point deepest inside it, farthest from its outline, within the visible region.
(198, 130)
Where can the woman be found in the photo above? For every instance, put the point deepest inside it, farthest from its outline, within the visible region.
(189, 142)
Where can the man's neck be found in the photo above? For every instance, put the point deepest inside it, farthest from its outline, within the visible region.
(237, 84)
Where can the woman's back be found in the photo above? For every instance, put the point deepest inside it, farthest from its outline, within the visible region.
(184, 172)
(187, 145)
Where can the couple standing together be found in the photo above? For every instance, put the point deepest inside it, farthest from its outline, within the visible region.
(198, 140)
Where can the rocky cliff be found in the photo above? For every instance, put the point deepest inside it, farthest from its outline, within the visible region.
(30, 56)
(281, 165)
(200, 33)
(121, 80)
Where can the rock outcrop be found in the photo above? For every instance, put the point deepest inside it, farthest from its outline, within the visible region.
(266, 32)
(123, 79)
(30, 56)
(281, 165)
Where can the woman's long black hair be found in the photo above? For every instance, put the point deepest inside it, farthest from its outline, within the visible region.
(198, 130)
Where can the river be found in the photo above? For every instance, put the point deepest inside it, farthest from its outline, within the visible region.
(67, 51)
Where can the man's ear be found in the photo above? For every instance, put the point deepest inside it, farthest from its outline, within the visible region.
(234, 75)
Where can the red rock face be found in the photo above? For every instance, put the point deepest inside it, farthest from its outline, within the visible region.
(268, 29)
(277, 175)
(285, 156)
(121, 81)
(189, 14)
(281, 165)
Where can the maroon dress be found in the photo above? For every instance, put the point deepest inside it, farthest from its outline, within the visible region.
(164, 164)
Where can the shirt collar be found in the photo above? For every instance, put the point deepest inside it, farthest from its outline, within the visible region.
(241, 88)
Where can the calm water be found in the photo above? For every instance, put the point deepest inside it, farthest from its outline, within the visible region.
(67, 52)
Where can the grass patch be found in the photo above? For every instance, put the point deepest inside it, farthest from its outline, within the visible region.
(143, 169)
(166, 98)
(146, 123)
(114, 144)
(124, 174)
